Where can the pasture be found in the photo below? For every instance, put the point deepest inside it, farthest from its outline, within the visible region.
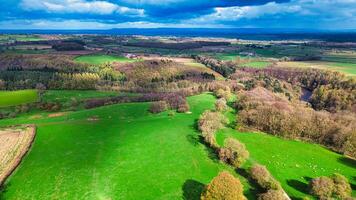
(348, 69)
(14, 98)
(293, 163)
(129, 153)
(97, 59)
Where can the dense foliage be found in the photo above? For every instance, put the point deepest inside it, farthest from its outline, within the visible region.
(274, 114)
(221, 67)
(263, 177)
(209, 122)
(224, 186)
(335, 186)
(331, 91)
(234, 152)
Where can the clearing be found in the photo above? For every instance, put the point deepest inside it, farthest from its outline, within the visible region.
(98, 59)
(14, 98)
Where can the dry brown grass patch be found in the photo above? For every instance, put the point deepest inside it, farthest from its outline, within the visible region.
(14, 143)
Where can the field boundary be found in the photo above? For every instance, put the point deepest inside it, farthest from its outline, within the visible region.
(15, 163)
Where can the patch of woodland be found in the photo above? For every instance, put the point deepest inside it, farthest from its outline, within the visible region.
(331, 91)
(54, 72)
(251, 81)
(275, 114)
(225, 68)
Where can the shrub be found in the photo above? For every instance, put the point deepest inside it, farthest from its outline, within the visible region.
(183, 107)
(223, 93)
(209, 122)
(322, 187)
(158, 106)
(224, 186)
(335, 186)
(234, 152)
(342, 188)
(220, 104)
(272, 195)
(264, 179)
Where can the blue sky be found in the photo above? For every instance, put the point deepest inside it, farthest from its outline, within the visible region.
(107, 14)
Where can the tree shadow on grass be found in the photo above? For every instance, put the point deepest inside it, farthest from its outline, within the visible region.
(353, 186)
(196, 139)
(192, 189)
(255, 188)
(298, 185)
(347, 161)
(3, 189)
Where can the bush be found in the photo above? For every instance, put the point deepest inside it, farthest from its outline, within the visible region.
(220, 104)
(158, 106)
(224, 186)
(209, 122)
(322, 187)
(342, 188)
(234, 153)
(221, 93)
(183, 107)
(272, 195)
(263, 178)
(335, 186)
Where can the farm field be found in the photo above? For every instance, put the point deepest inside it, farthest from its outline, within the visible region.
(14, 98)
(66, 95)
(101, 59)
(346, 68)
(293, 163)
(113, 156)
(14, 143)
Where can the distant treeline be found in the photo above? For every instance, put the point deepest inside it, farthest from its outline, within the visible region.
(221, 67)
(176, 46)
(53, 71)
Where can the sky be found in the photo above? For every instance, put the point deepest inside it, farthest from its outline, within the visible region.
(108, 14)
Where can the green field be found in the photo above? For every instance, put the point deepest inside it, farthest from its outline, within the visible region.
(101, 59)
(257, 64)
(14, 98)
(293, 163)
(63, 96)
(129, 153)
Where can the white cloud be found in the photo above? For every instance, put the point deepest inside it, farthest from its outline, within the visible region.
(323, 11)
(94, 25)
(79, 6)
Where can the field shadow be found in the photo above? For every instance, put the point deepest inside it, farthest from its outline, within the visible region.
(196, 139)
(192, 189)
(3, 189)
(255, 189)
(353, 186)
(298, 185)
(347, 161)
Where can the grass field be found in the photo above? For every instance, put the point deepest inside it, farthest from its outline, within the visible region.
(347, 68)
(129, 153)
(14, 98)
(101, 59)
(293, 163)
(63, 96)
(257, 64)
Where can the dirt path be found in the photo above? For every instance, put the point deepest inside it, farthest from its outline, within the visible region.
(14, 144)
